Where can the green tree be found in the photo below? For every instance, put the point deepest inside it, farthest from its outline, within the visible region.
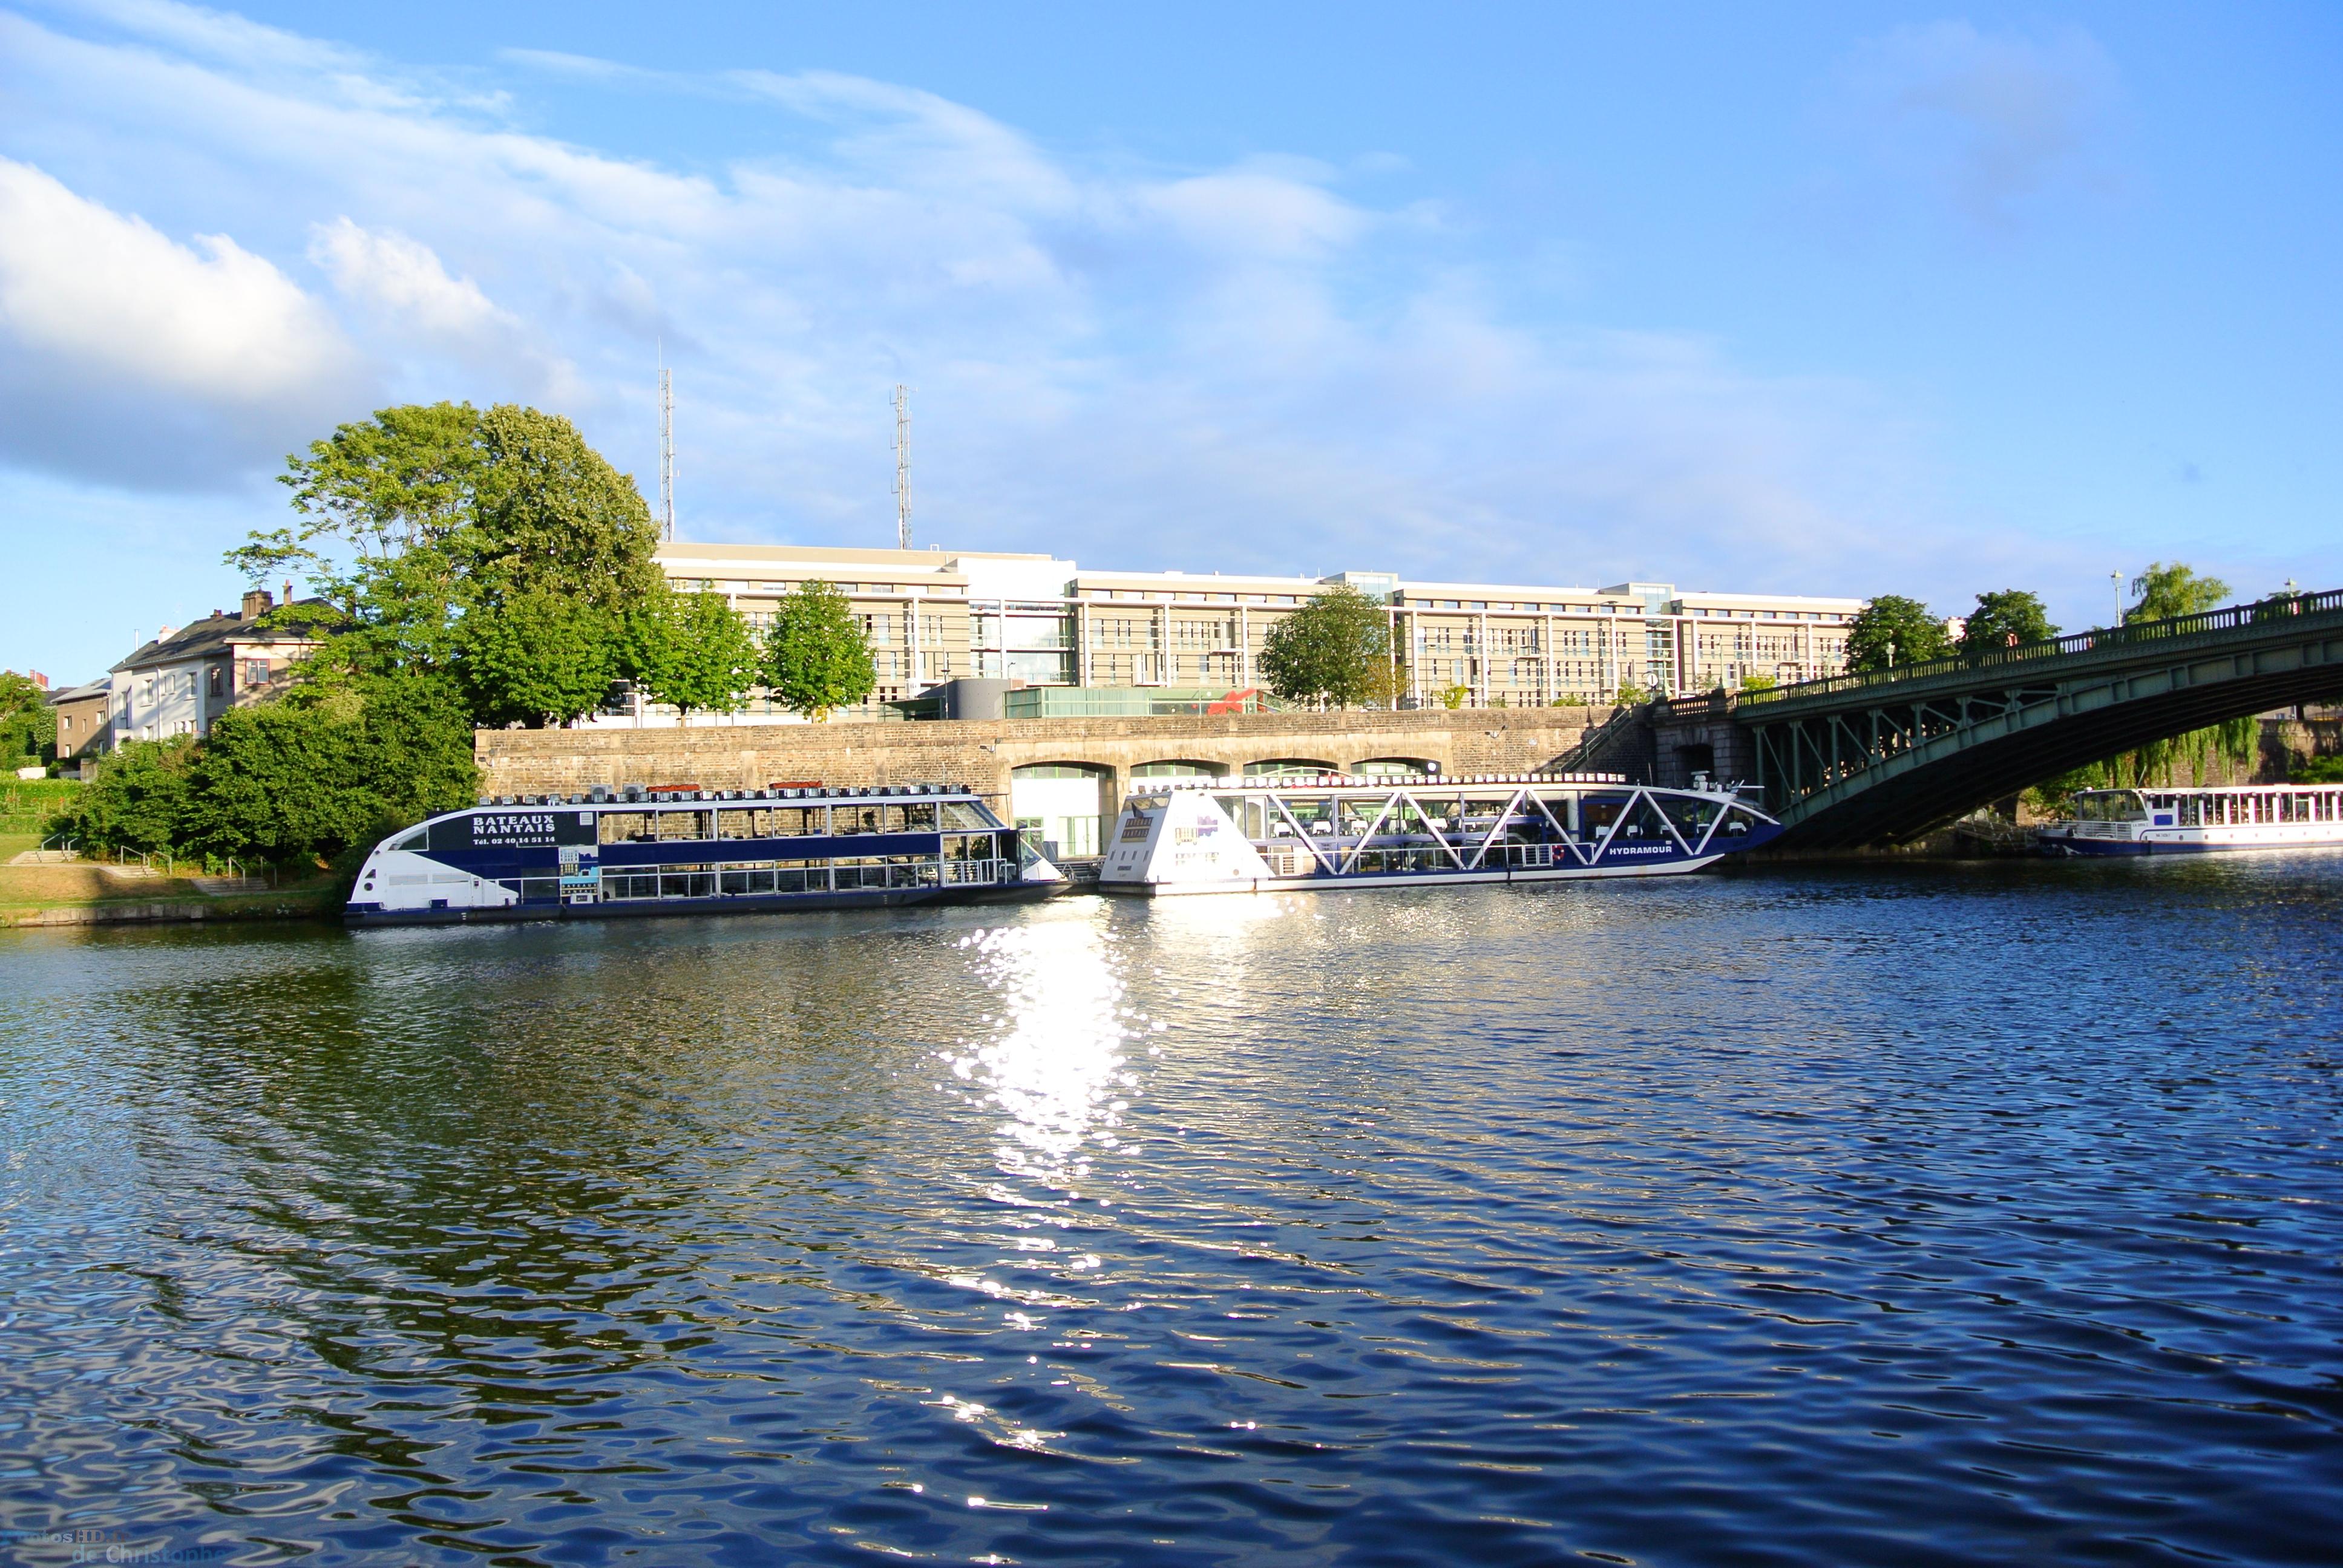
(1892, 630)
(28, 725)
(1327, 650)
(2166, 592)
(817, 660)
(692, 650)
(136, 799)
(538, 657)
(323, 773)
(332, 767)
(2006, 619)
(412, 518)
(550, 516)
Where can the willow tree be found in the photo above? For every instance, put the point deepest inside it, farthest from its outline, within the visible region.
(2165, 592)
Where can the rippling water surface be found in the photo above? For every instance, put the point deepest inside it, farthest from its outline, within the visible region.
(1899, 1216)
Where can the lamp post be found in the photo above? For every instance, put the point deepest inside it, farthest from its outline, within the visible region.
(2116, 580)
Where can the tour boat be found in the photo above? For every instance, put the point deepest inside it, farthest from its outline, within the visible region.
(680, 851)
(2193, 821)
(1309, 832)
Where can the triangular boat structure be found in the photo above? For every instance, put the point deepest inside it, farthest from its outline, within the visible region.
(1326, 830)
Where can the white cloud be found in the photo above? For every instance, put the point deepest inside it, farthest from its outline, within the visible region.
(79, 280)
(108, 322)
(1243, 365)
(404, 280)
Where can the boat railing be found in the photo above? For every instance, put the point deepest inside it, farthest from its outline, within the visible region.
(1719, 703)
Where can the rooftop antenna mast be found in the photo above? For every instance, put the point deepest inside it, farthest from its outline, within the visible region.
(666, 452)
(903, 467)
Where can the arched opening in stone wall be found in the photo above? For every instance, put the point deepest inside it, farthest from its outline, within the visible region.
(1062, 808)
(1278, 767)
(1395, 767)
(1178, 769)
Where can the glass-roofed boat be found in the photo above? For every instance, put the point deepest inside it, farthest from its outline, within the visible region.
(1331, 831)
(2195, 821)
(686, 850)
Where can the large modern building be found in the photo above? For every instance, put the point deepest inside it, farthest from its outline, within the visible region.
(934, 616)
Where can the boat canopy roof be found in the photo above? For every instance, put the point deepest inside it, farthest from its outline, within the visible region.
(636, 796)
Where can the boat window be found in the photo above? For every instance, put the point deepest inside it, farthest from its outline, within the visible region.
(2109, 806)
(683, 824)
(410, 840)
(1690, 813)
(1599, 811)
(1738, 822)
(740, 824)
(961, 814)
(625, 826)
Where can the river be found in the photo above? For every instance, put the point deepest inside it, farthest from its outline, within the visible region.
(1881, 1214)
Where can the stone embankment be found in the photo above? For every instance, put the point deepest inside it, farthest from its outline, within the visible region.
(981, 754)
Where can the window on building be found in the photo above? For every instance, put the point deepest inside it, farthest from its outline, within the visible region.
(256, 672)
(217, 677)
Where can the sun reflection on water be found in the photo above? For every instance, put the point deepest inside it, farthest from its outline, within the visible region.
(1054, 1059)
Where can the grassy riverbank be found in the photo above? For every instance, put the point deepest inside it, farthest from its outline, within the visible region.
(83, 893)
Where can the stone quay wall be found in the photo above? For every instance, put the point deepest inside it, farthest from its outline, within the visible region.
(979, 754)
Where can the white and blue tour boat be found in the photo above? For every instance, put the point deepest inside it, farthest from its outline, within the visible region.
(684, 850)
(1309, 832)
(2189, 822)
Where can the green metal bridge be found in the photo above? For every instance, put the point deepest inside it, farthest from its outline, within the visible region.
(1885, 756)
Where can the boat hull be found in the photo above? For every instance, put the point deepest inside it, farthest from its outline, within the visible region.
(1324, 883)
(364, 915)
(2134, 848)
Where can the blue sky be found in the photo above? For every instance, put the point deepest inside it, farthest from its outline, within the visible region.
(1837, 299)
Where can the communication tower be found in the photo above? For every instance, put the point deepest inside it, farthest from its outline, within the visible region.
(667, 454)
(903, 467)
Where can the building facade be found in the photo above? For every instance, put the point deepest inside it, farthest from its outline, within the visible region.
(85, 720)
(188, 676)
(933, 616)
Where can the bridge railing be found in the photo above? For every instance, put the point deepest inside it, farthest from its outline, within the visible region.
(2279, 606)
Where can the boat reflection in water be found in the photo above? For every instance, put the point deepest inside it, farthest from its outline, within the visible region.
(1329, 831)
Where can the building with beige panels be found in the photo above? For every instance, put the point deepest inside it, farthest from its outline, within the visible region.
(937, 615)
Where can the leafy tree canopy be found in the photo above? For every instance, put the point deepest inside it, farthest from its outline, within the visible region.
(692, 650)
(1327, 651)
(411, 519)
(329, 769)
(28, 725)
(2006, 619)
(817, 660)
(2166, 592)
(536, 657)
(1892, 628)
